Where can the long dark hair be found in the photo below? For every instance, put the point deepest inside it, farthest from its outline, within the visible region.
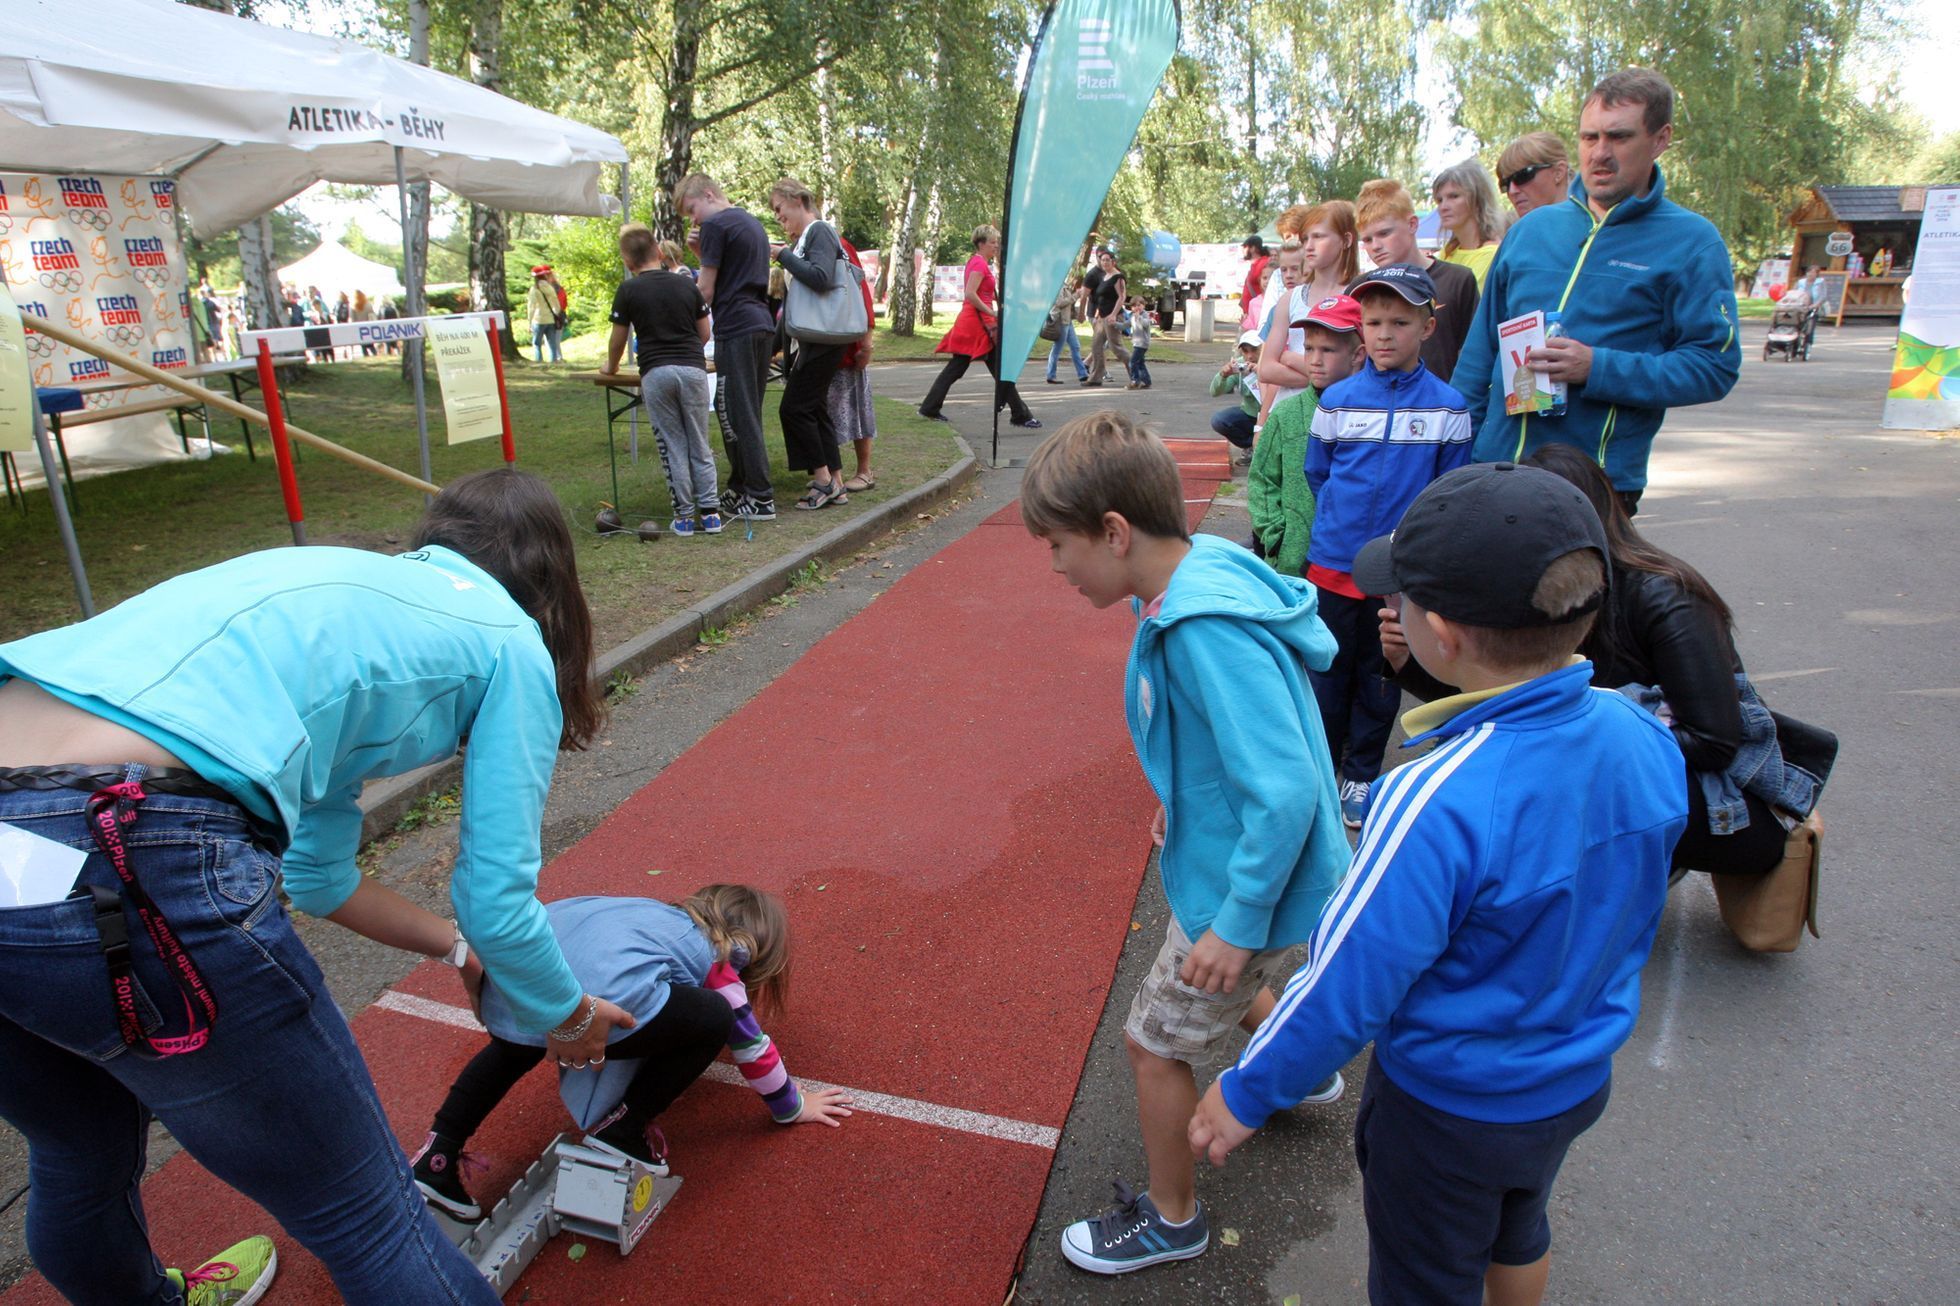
(1628, 549)
(510, 524)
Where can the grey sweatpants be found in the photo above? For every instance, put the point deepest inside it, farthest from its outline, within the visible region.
(677, 400)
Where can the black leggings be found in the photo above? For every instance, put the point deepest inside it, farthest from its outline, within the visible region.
(809, 433)
(1753, 850)
(1005, 395)
(678, 1043)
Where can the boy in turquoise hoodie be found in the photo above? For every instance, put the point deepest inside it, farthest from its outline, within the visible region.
(1228, 734)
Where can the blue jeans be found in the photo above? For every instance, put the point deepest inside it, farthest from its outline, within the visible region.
(542, 334)
(1074, 352)
(1235, 424)
(1139, 369)
(1357, 700)
(278, 1104)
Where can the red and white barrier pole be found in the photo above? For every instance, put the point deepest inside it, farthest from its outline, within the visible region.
(282, 451)
(503, 398)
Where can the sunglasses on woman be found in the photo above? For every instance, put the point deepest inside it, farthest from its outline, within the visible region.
(1526, 175)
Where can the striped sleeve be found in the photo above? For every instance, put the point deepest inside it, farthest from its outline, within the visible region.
(1384, 927)
(754, 1051)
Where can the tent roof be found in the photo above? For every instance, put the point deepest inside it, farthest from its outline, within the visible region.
(246, 116)
(334, 267)
(1871, 203)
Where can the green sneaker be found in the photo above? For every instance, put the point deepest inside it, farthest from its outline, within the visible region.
(236, 1276)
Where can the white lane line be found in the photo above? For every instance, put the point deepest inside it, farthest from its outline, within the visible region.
(1677, 963)
(1768, 676)
(862, 1099)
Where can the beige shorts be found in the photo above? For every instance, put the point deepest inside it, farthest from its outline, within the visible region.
(1181, 1023)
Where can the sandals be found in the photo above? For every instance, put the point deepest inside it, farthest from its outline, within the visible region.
(859, 483)
(822, 496)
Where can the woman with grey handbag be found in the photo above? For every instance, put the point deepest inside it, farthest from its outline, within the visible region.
(809, 435)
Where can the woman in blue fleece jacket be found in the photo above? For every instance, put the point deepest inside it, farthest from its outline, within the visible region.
(224, 718)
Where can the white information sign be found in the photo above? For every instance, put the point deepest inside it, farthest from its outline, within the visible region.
(16, 391)
(1925, 390)
(469, 378)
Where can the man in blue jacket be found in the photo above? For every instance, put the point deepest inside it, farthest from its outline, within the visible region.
(1644, 288)
(1489, 935)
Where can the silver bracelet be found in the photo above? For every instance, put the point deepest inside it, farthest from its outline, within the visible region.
(577, 1032)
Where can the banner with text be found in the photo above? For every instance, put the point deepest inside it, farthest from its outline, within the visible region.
(1925, 391)
(16, 391)
(99, 255)
(469, 378)
(1094, 70)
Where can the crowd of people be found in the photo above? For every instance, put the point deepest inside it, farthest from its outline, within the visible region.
(1486, 935)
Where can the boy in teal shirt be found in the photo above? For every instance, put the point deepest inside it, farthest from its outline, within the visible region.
(1225, 727)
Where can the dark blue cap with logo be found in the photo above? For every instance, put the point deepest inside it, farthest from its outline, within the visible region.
(1476, 542)
(1405, 279)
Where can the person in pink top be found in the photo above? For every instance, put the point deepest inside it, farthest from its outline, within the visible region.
(974, 335)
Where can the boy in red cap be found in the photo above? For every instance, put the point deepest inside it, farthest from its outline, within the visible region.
(1276, 487)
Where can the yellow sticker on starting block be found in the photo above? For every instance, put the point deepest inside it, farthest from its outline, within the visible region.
(642, 1193)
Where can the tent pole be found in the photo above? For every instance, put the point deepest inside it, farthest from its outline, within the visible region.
(51, 470)
(414, 346)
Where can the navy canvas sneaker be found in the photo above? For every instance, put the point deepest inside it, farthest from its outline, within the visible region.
(1132, 1236)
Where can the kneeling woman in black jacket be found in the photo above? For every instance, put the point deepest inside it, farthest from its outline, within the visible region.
(1663, 626)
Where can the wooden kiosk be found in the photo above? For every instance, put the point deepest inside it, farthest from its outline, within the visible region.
(1841, 229)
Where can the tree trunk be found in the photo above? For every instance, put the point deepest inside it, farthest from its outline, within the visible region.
(826, 152)
(415, 241)
(260, 276)
(901, 310)
(677, 121)
(930, 239)
(487, 233)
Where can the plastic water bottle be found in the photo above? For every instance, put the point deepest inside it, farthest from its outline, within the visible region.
(1554, 328)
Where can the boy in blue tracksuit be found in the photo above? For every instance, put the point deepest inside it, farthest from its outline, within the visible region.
(1490, 935)
(1377, 439)
(1225, 727)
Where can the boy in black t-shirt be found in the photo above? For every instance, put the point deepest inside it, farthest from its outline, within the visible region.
(665, 311)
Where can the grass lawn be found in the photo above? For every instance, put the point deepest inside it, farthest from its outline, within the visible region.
(140, 527)
(922, 344)
(1761, 308)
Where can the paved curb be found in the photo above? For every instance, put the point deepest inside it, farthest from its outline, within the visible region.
(385, 802)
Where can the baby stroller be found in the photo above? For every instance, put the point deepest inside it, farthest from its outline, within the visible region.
(1791, 331)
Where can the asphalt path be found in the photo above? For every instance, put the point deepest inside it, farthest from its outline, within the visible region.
(1782, 1128)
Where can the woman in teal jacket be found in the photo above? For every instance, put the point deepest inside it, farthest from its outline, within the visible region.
(188, 749)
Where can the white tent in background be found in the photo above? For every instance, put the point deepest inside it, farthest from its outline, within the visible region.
(245, 116)
(333, 268)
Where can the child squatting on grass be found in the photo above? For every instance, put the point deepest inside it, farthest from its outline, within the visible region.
(683, 974)
(1490, 934)
(1226, 729)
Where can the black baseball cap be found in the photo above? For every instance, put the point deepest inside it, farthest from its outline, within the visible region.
(1406, 279)
(1476, 542)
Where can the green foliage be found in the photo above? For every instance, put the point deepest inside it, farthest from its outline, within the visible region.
(1939, 162)
(293, 237)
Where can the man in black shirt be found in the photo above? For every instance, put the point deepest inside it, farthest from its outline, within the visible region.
(735, 283)
(665, 311)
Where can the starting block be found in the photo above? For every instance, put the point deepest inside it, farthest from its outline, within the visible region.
(571, 1188)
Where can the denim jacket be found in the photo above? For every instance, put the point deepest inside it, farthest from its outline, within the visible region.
(1758, 766)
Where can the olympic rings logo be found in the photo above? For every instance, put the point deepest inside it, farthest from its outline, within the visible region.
(6, 223)
(153, 278)
(95, 218)
(68, 281)
(99, 400)
(39, 346)
(125, 335)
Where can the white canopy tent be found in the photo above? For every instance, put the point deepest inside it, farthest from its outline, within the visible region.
(334, 267)
(246, 116)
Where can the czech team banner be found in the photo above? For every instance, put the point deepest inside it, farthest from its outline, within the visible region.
(100, 255)
(1093, 72)
(1925, 390)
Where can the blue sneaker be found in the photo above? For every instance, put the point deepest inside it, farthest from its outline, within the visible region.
(711, 523)
(683, 527)
(1354, 802)
(1132, 1236)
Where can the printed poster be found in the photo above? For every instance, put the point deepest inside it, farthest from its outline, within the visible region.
(469, 378)
(1925, 390)
(1526, 390)
(16, 391)
(100, 256)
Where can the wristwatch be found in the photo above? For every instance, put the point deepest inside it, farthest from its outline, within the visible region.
(458, 954)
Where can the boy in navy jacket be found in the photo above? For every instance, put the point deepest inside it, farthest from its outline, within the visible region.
(1490, 934)
(1227, 733)
(1377, 439)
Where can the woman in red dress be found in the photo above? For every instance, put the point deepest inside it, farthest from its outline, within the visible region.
(973, 335)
